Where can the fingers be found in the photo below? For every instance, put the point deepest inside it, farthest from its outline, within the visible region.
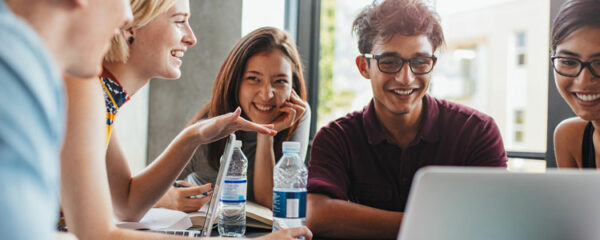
(298, 104)
(184, 183)
(297, 99)
(246, 125)
(301, 231)
(196, 190)
(230, 117)
(292, 233)
(286, 119)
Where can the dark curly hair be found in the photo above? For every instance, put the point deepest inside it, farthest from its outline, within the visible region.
(404, 17)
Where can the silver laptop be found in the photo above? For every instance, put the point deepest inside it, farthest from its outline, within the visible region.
(213, 203)
(453, 203)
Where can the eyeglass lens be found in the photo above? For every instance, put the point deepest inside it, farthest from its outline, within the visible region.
(393, 64)
(572, 67)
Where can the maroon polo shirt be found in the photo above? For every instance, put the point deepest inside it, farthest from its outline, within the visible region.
(351, 159)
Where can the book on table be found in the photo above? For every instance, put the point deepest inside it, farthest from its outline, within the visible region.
(257, 216)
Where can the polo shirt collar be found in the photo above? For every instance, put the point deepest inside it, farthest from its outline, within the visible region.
(429, 131)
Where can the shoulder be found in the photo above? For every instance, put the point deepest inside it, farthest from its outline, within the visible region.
(346, 126)
(570, 127)
(457, 111)
(22, 50)
(29, 79)
(338, 136)
(458, 118)
(568, 137)
(570, 131)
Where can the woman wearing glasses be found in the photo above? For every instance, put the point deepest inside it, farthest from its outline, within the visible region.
(576, 62)
(263, 75)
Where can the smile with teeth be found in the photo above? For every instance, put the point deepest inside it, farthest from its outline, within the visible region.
(177, 53)
(265, 108)
(588, 97)
(403, 92)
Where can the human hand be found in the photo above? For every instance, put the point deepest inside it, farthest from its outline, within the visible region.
(289, 233)
(184, 198)
(216, 128)
(292, 112)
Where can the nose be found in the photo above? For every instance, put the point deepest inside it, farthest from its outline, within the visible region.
(586, 75)
(189, 38)
(267, 92)
(405, 76)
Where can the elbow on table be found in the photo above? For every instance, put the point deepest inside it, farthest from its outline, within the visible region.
(316, 213)
(128, 214)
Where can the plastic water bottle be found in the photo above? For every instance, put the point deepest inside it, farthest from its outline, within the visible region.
(289, 189)
(232, 214)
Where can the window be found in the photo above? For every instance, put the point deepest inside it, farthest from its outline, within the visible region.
(261, 13)
(341, 87)
(495, 60)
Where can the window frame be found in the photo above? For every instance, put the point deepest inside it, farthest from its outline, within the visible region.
(303, 22)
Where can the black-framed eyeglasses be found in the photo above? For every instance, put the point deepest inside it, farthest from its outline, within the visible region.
(572, 67)
(394, 64)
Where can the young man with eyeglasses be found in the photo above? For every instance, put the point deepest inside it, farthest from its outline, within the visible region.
(362, 165)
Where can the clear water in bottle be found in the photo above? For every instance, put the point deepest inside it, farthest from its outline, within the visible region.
(232, 214)
(289, 189)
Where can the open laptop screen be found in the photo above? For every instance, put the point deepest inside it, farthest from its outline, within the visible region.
(457, 203)
(213, 203)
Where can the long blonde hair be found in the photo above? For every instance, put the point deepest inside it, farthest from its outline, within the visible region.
(144, 11)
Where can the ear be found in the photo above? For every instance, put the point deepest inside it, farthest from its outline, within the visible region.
(363, 66)
(129, 32)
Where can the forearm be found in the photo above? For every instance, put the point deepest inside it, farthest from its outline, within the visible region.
(335, 218)
(147, 187)
(264, 162)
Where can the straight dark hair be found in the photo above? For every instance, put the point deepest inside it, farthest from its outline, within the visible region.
(572, 16)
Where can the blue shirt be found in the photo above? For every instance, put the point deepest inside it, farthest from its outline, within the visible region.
(32, 119)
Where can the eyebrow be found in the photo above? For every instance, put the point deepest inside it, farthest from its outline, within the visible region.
(418, 54)
(280, 75)
(258, 73)
(568, 53)
(180, 14)
(572, 54)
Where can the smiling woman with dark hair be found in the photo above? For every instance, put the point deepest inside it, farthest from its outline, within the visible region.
(97, 171)
(576, 63)
(262, 74)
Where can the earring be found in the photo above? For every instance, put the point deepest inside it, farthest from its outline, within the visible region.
(130, 40)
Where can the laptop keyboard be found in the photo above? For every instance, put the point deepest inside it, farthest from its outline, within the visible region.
(185, 233)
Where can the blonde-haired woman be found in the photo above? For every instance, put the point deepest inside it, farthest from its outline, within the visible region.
(151, 47)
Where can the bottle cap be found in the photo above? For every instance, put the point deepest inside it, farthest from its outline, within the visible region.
(237, 143)
(289, 146)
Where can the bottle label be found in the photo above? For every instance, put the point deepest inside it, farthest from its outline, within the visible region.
(289, 204)
(234, 191)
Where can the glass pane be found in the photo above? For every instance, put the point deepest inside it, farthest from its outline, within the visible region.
(341, 87)
(495, 60)
(262, 13)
